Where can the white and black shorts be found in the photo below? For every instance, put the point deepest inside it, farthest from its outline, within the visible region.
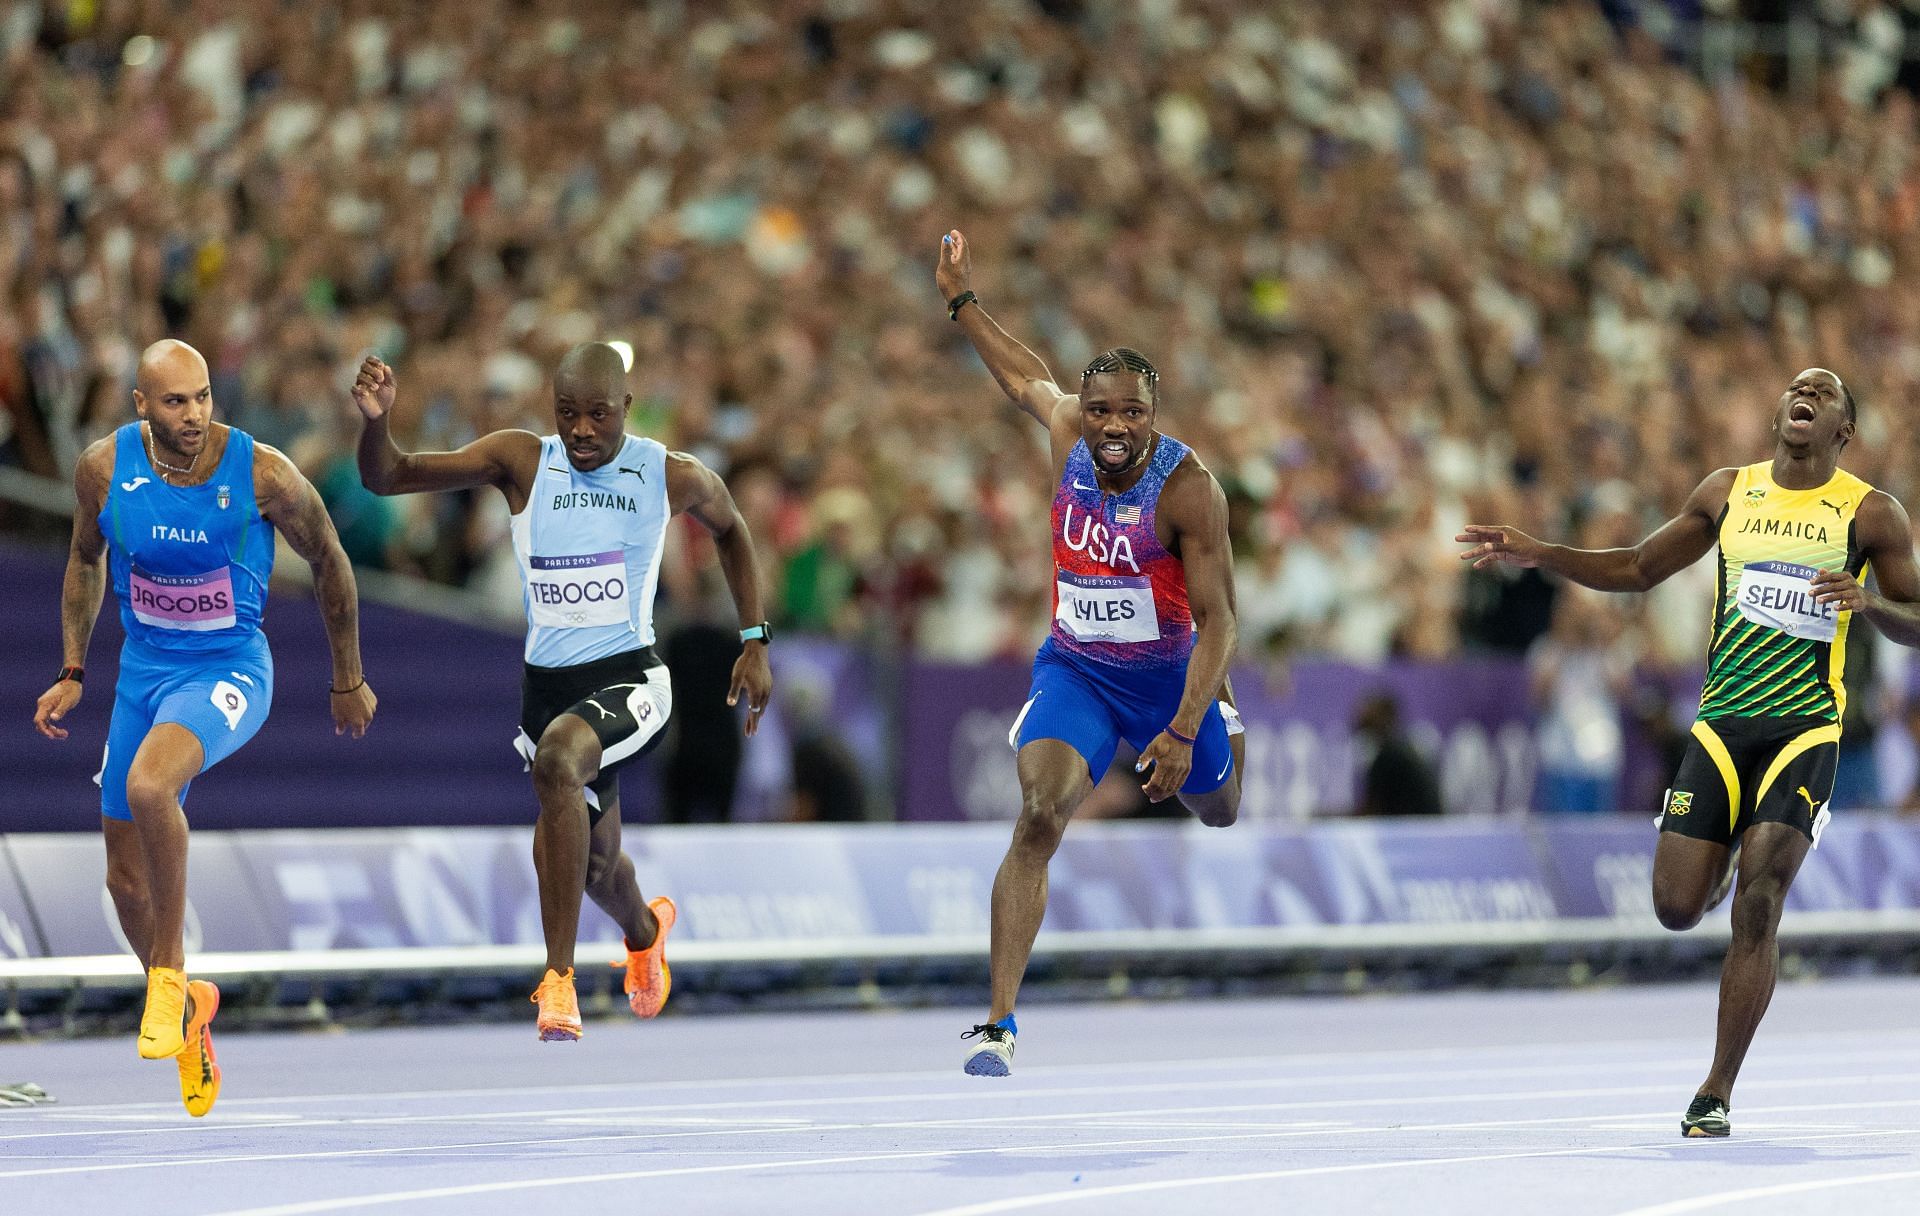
(626, 699)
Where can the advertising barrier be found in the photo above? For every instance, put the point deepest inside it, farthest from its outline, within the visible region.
(787, 886)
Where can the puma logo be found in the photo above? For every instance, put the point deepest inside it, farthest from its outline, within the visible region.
(1836, 510)
(136, 483)
(1811, 804)
(604, 711)
(636, 472)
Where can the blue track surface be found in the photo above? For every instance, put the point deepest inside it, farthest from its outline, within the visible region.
(1562, 1102)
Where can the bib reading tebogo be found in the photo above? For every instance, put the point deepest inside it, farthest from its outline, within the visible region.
(1107, 608)
(579, 591)
(1776, 595)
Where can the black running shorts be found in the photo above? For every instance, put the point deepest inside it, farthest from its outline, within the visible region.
(1742, 771)
(626, 698)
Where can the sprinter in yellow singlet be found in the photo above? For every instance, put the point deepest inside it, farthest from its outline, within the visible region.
(1796, 536)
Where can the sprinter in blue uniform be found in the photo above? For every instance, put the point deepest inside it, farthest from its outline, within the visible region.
(590, 508)
(179, 511)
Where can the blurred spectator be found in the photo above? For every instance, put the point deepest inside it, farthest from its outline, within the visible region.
(1910, 723)
(827, 787)
(1396, 779)
(1400, 264)
(1580, 673)
(700, 759)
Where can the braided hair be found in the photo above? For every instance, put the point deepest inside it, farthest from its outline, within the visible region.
(1122, 359)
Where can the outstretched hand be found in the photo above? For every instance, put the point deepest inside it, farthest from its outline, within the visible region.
(753, 676)
(1494, 546)
(954, 273)
(374, 388)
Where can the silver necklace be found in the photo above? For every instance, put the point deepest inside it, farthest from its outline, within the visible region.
(171, 468)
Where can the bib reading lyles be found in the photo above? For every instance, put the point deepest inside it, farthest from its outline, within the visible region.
(576, 591)
(194, 602)
(1777, 595)
(1107, 608)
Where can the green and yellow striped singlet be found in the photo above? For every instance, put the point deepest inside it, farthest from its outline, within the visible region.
(1774, 652)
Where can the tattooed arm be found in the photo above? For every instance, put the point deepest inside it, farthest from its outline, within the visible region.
(85, 583)
(291, 504)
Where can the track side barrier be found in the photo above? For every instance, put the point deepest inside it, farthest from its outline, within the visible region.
(463, 901)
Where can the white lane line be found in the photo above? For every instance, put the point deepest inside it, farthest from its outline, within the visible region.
(1873, 1049)
(1701, 1203)
(98, 1167)
(778, 1125)
(985, 1091)
(996, 1122)
(1156, 1143)
(382, 1198)
(1080, 1194)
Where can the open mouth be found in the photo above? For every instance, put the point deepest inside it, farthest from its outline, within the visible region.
(1801, 413)
(1115, 451)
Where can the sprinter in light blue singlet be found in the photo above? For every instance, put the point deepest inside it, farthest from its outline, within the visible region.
(590, 506)
(181, 511)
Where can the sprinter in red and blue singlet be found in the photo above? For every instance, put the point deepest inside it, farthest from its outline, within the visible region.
(1115, 664)
(1143, 625)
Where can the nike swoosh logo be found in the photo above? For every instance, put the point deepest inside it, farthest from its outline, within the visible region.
(1223, 772)
(136, 483)
(1078, 486)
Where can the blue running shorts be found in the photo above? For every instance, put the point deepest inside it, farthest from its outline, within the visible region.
(1091, 706)
(223, 698)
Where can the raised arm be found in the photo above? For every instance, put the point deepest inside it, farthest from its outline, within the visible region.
(1021, 374)
(1195, 509)
(82, 588)
(1675, 545)
(290, 503)
(506, 460)
(697, 490)
(1885, 535)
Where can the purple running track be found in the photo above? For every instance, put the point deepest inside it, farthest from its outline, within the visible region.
(1561, 1102)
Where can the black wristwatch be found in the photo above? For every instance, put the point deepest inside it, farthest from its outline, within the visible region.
(762, 633)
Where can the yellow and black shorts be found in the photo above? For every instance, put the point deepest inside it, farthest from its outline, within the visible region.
(1742, 771)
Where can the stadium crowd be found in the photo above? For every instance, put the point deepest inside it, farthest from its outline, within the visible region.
(1400, 266)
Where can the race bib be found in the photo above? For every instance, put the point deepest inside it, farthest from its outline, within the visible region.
(193, 602)
(578, 592)
(1776, 594)
(1107, 608)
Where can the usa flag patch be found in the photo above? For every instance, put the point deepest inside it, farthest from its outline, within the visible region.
(1127, 515)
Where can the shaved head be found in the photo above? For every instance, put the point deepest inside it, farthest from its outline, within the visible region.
(169, 365)
(173, 395)
(594, 365)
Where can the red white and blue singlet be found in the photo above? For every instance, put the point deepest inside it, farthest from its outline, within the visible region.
(1115, 663)
(1118, 596)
